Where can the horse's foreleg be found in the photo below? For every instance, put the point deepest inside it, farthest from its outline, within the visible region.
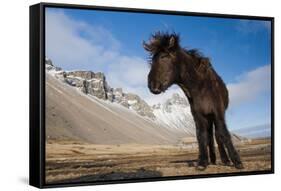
(212, 151)
(202, 138)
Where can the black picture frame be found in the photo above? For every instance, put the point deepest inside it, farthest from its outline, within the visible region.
(37, 92)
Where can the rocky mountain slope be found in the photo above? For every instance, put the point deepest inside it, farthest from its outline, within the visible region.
(174, 113)
(71, 114)
(173, 116)
(95, 84)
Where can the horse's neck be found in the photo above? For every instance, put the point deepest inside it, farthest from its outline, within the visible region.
(187, 66)
(189, 78)
(185, 90)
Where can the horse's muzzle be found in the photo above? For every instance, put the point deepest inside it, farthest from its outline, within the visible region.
(155, 90)
(157, 87)
(154, 87)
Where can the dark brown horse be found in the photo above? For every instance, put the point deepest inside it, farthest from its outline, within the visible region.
(203, 87)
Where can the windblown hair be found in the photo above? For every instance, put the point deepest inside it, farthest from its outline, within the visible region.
(161, 41)
(202, 63)
(195, 53)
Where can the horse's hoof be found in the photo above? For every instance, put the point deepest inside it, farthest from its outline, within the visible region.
(213, 163)
(227, 163)
(239, 166)
(200, 167)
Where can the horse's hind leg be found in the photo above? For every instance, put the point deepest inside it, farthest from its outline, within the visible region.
(223, 154)
(212, 151)
(225, 138)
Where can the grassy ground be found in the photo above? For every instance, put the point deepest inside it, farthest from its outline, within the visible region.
(68, 161)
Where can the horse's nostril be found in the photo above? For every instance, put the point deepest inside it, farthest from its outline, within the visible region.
(155, 91)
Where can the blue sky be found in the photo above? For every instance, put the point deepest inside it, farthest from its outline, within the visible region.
(111, 42)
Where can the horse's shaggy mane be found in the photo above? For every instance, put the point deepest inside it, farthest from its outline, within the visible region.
(203, 63)
(195, 53)
(160, 41)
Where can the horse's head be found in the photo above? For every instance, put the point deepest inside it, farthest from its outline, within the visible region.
(163, 73)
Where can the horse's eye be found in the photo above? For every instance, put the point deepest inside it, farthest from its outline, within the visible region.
(163, 56)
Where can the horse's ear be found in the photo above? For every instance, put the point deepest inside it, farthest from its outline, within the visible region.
(172, 42)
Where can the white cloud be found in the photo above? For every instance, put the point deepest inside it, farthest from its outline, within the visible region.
(250, 85)
(76, 44)
(73, 44)
(128, 70)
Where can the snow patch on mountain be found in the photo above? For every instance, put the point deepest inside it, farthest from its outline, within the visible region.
(175, 113)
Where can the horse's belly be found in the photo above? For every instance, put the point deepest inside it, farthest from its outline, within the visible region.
(204, 106)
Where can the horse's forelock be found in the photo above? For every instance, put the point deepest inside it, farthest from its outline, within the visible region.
(161, 41)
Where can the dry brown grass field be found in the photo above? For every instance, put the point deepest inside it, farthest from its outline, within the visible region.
(69, 161)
